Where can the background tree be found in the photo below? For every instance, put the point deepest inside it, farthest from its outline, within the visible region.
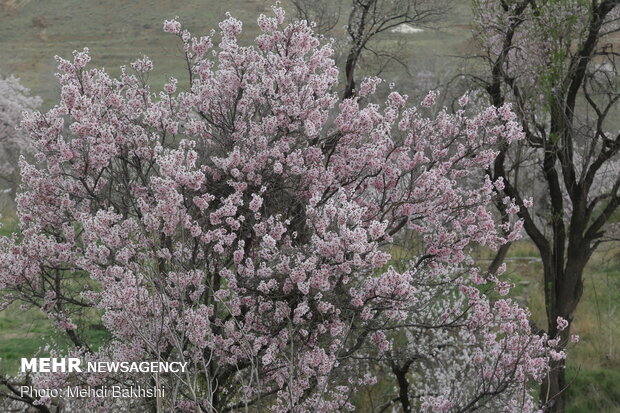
(241, 223)
(14, 99)
(555, 62)
(366, 20)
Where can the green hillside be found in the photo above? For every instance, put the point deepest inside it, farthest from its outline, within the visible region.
(32, 32)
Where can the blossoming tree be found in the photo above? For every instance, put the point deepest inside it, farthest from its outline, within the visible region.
(242, 221)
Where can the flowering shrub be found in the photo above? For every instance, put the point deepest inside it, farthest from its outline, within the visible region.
(242, 222)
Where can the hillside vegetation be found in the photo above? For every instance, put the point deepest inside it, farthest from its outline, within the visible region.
(117, 32)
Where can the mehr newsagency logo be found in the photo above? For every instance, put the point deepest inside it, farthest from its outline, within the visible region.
(76, 365)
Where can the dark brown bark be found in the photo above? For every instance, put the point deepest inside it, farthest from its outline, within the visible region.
(14, 393)
(563, 290)
(499, 258)
(366, 20)
(400, 372)
(349, 73)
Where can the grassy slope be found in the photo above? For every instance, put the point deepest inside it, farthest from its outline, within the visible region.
(115, 31)
(118, 31)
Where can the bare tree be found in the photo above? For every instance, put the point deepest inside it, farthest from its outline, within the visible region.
(366, 20)
(556, 63)
(325, 14)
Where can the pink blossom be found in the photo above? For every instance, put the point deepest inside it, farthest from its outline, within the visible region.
(562, 324)
(172, 26)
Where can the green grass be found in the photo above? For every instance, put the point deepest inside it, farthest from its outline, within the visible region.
(593, 390)
(594, 363)
(23, 334)
(28, 333)
(116, 32)
(8, 228)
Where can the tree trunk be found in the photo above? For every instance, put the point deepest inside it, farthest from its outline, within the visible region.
(563, 290)
(349, 73)
(500, 257)
(553, 389)
(403, 384)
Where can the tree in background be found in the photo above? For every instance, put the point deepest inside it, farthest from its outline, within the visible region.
(367, 19)
(14, 99)
(242, 223)
(556, 62)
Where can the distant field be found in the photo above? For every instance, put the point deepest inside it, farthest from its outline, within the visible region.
(119, 31)
(115, 31)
